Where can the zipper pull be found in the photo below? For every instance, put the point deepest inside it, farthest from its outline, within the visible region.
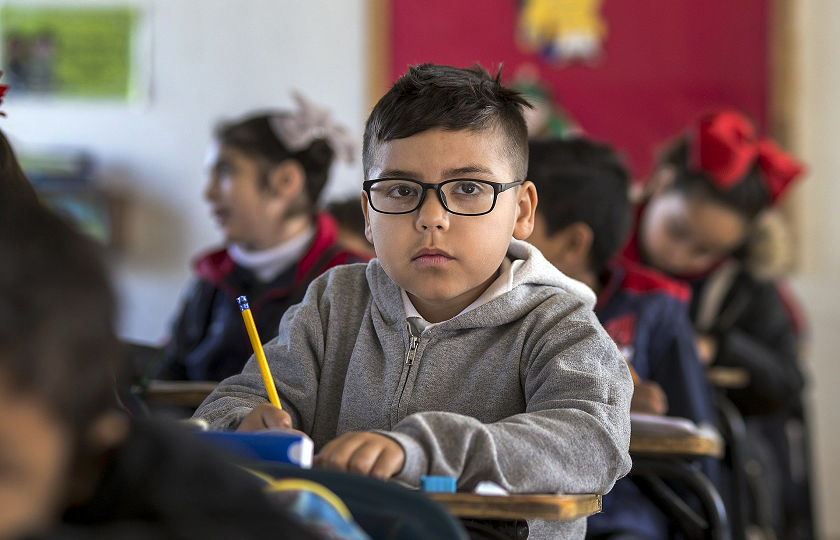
(412, 349)
(413, 342)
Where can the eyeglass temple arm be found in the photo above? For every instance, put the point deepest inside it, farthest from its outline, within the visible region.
(505, 187)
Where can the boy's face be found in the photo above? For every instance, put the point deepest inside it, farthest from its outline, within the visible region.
(445, 261)
(35, 454)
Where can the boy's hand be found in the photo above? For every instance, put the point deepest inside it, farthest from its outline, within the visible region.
(648, 397)
(365, 453)
(706, 349)
(265, 416)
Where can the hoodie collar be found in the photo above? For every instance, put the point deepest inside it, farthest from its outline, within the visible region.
(513, 304)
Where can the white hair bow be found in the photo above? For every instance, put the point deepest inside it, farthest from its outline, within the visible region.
(298, 130)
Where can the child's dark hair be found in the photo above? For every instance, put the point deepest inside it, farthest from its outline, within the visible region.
(348, 213)
(582, 181)
(255, 137)
(57, 341)
(748, 197)
(431, 96)
(13, 183)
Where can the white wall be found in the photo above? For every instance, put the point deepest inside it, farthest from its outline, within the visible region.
(211, 59)
(818, 139)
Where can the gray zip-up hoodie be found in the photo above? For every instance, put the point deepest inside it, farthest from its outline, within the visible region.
(526, 390)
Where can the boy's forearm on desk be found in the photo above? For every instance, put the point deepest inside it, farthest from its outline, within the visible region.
(531, 452)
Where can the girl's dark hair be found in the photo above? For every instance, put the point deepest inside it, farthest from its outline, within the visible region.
(57, 311)
(13, 183)
(254, 137)
(748, 197)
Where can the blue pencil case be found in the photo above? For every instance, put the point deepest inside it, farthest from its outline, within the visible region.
(276, 446)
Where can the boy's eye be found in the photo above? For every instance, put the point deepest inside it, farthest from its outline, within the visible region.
(402, 190)
(467, 188)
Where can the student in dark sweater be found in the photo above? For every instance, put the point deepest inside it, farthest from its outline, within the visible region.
(71, 464)
(582, 220)
(708, 197)
(267, 172)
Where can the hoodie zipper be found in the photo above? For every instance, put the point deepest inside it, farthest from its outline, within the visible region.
(413, 344)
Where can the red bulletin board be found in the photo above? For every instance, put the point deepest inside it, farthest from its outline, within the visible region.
(663, 62)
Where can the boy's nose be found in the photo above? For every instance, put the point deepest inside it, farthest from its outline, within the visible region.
(431, 213)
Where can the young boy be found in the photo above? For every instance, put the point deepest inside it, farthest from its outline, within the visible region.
(267, 172)
(70, 464)
(582, 221)
(460, 351)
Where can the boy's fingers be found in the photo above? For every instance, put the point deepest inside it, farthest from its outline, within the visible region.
(273, 417)
(389, 463)
(265, 416)
(364, 458)
(337, 453)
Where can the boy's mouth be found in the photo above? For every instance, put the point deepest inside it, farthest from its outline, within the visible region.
(431, 256)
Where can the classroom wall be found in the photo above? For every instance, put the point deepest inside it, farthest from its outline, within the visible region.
(211, 59)
(816, 134)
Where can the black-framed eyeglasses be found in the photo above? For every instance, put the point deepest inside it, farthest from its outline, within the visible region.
(460, 196)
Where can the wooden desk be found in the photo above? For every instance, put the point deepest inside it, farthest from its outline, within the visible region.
(729, 378)
(682, 445)
(555, 507)
(185, 393)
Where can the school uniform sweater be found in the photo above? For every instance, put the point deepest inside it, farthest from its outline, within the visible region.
(646, 314)
(526, 390)
(208, 340)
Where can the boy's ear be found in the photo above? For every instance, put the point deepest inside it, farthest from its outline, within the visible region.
(286, 180)
(577, 240)
(526, 207)
(365, 208)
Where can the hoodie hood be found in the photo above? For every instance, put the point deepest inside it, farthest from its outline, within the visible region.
(534, 282)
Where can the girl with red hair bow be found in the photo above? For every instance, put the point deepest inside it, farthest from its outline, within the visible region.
(706, 207)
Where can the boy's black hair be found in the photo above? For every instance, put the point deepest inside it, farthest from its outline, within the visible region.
(57, 341)
(254, 137)
(582, 181)
(431, 96)
(13, 183)
(748, 197)
(349, 215)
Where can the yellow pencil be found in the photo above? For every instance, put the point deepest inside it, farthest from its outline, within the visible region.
(268, 380)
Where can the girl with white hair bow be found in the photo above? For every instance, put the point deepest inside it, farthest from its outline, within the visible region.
(266, 174)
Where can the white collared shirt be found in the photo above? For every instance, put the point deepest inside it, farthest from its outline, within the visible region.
(503, 284)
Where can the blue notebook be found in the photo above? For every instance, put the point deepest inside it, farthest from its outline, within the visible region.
(277, 446)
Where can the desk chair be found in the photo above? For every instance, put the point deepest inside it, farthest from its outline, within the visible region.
(659, 458)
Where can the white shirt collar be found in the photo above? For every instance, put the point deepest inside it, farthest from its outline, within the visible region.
(503, 284)
(269, 263)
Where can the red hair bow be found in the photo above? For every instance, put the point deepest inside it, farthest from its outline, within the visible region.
(3, 89)
(726, 146)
